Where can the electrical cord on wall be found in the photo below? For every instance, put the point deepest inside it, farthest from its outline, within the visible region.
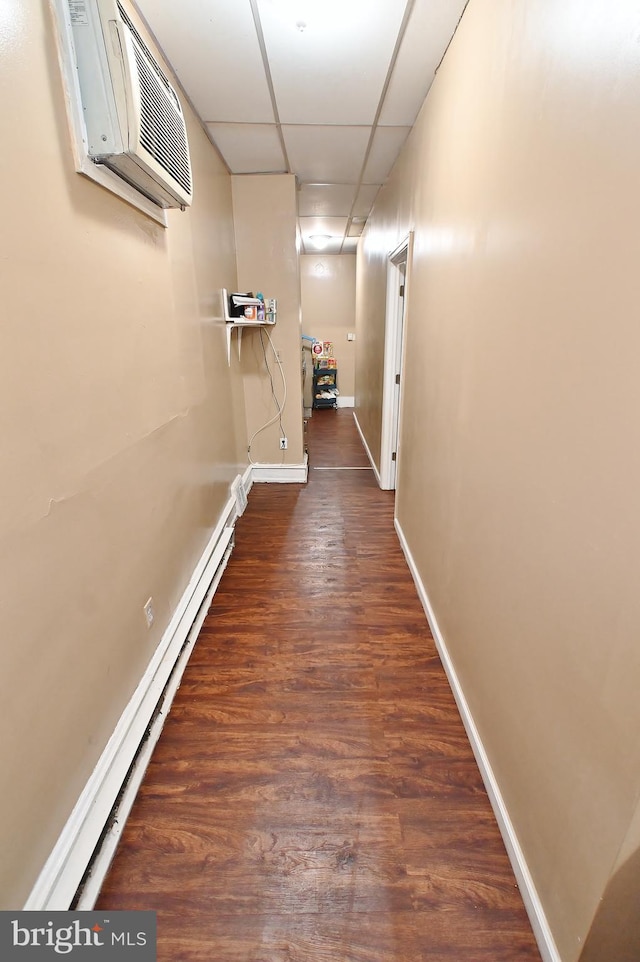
(280, 406)
(273, 391)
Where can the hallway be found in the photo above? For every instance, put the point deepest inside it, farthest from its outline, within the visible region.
(313, 796)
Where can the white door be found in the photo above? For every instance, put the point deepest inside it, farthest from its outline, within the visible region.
(392, 389)
(395, 424)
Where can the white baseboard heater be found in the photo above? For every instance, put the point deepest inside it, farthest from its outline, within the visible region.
(74, 872)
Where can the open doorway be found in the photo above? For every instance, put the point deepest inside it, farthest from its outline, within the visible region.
(397, 275)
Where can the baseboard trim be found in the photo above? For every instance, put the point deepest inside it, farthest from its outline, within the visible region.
(344, 401)
(71, 856)
(280, 473)
(530, 897)
(366, 447)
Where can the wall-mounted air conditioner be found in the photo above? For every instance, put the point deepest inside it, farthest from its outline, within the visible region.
(133, 118)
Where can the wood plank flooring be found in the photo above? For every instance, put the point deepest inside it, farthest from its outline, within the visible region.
(313, 797)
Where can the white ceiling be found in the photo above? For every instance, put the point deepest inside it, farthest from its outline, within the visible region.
(325, 89)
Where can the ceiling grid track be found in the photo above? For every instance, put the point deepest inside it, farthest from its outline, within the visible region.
(392, 63)
(267, 70)
(325, 91)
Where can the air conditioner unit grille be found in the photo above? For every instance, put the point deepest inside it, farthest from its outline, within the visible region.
(133, 120)
(161, 130)
(159, 72)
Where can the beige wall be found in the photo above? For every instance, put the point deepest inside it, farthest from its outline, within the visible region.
(328, 309)
(267, 254)
(615, 932)
(519, 474)
(121, 430)
(371, 279)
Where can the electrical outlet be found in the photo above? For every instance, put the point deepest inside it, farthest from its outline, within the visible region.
(149, 612)
(283, 444)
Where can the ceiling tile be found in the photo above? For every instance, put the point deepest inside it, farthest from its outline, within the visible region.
(249, 148)
(350, 245)
(326, 153)
(364, 201)
(333, 71)
(430, 28)
(355, 229)
(386, 147)
(326, 200)
(327, 77)
(213, 48)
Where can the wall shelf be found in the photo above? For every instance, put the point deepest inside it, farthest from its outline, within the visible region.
(240, 323)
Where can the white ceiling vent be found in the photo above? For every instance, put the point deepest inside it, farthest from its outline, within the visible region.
(133, 118)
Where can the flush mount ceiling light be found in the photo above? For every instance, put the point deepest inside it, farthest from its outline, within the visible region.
(304, 14)
(320, 241)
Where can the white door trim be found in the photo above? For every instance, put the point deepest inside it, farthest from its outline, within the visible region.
(393, 360)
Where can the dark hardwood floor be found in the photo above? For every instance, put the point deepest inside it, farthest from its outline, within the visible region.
(313, 796)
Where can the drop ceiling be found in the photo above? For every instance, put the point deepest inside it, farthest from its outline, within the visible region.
(325, 89)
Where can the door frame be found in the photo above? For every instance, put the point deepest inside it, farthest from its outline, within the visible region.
(398, 267)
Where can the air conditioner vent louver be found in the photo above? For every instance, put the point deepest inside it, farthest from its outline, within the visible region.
(161, 127)
(153, 62)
